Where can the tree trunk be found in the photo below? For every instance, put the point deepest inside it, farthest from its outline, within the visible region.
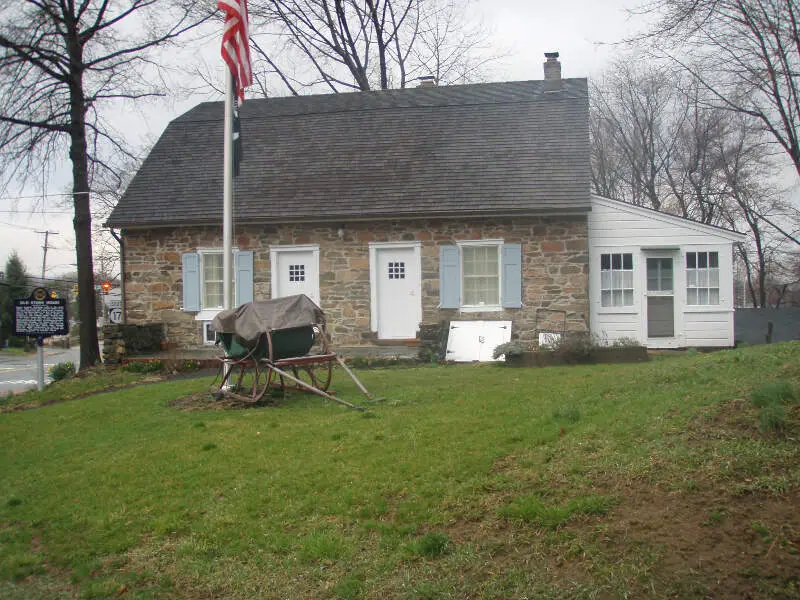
(82, 222)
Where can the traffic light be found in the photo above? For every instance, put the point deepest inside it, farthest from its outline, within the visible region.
(106, 287)
(75, 290)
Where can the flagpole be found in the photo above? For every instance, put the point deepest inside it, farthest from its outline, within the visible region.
(227, 208)
(227, 201)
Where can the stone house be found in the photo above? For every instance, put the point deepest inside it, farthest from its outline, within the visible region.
(391, 209)
(400, 210)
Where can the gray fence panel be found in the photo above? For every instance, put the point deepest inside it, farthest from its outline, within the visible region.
(751, 324)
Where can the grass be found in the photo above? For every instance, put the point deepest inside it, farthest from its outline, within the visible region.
(769, 398)
(772, 392)
(17, 351)
(88, 382)
(468, 481)
(535, 510)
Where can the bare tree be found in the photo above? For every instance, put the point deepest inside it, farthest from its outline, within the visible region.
(693, 167)
(749, 51)
(631, 139)
(755, 205)
(657, 141)
(340, 45)
(62, 63)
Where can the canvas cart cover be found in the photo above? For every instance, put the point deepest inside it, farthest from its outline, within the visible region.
(250, 320)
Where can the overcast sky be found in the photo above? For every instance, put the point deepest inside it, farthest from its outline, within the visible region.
(583, 31)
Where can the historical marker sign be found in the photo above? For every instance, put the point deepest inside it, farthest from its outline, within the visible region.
(40, 318)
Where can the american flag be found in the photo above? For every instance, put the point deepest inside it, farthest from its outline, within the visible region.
(236, 43)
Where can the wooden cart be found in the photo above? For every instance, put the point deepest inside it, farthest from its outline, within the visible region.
(267, 345)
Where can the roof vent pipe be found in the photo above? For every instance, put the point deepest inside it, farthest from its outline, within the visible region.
(427, 81)
(552, 68)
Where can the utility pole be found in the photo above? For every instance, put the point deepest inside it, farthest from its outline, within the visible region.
(46, 235)
(40, 341)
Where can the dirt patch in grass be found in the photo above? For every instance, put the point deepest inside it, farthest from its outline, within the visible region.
(728, 420)
(706, 544)
(208, 400)
(713, 543)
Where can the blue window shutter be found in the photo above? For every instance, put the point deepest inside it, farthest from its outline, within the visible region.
(191, 282)
(449, 277)
(244, 276)
(512, 276)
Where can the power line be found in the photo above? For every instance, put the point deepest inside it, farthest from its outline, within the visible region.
(16, 226)
(59, 195)
(39, 212)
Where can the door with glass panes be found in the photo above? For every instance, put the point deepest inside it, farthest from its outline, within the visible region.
(660, 295)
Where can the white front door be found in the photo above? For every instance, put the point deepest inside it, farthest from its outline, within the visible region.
(295, 270)
(396, 299)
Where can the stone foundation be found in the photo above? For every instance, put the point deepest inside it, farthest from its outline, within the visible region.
(555, 271)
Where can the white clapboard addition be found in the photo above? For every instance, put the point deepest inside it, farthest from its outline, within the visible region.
(471, 341)
(646, 282)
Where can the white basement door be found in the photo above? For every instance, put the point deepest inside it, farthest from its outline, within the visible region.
(471, 341)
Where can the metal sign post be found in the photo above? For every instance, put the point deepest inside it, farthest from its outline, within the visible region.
(40, 363)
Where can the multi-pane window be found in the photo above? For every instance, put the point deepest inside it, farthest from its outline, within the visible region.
(659, 275)
(297, 272)
(397, 270)
(212, 280)
(481, 275)
(702, 278)
(616, 279)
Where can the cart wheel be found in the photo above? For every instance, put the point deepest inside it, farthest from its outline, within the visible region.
(262, 377)
(318, 375)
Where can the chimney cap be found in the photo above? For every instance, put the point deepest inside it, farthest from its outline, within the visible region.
(551, 55)
(426, 81)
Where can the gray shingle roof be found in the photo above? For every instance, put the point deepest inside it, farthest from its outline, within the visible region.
(482, 149)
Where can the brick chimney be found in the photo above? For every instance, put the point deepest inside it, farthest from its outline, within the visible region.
(427, 81)
(552, 68)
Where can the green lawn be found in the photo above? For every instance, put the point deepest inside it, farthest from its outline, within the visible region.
(654, 480)
(16, 351)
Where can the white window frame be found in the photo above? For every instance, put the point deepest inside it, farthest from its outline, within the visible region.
(207, 313)
(632, 270)
(707, 268)
(498, 243)
(209, 337)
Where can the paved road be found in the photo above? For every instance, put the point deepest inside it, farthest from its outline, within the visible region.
(18, 372)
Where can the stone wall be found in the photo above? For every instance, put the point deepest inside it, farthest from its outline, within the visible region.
(555, 271)
(122, 341)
